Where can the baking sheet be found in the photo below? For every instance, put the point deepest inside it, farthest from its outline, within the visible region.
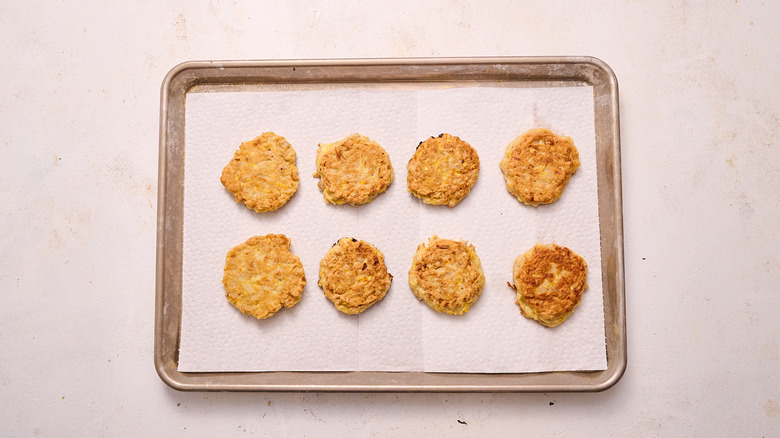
(406, 380)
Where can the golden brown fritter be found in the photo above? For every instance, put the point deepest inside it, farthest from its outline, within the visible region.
(442, 170)
(353, 275)
(262, 276)
(447, 275)
(538, 165)
(549, 281)
(262, 173)
(353, 170)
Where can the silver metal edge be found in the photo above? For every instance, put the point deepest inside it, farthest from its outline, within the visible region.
(162, 180)
(344, 62)
(618, 201)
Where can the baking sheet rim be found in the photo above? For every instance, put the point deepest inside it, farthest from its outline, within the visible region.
(567, 69)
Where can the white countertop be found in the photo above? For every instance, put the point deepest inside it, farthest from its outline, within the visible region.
(700, 119)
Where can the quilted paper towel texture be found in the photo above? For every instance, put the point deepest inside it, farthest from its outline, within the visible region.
(399, 333)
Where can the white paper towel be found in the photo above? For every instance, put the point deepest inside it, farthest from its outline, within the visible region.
(399, 333)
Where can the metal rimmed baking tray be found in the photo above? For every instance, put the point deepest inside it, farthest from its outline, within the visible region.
(531, 72)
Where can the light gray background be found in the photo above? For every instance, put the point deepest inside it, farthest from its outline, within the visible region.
(700, 116)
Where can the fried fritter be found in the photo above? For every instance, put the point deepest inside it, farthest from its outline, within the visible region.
(447, 275)
(353, 275)
(442, 170)
(262, 173)
(538, 165)
(353, 170)
(262, 276)
(549, 281)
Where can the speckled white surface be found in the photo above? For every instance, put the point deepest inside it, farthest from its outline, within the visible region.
(700, 117)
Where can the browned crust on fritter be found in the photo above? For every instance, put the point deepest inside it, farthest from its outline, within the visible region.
(262, 276)
(353, 170)
(442, 170)
(353, 275)
(447, 275)
(538, 165)
(262, 173)
(549, 281)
